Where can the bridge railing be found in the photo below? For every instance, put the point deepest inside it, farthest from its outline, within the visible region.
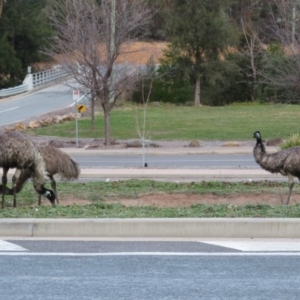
(48, 76)
(35, 80)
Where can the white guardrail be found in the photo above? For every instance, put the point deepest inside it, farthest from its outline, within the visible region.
(35, 80)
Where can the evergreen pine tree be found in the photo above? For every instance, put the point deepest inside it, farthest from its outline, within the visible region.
(201, 35)
(23, 34)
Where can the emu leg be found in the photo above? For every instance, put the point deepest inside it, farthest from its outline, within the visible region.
(15, 196)
(4, 182)
(291, 185)
(53, 185)
(40, 199)
(14, 186)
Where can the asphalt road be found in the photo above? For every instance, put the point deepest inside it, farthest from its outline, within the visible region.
(26, 107)
(202, 161)
(149, 277)
(147, 270)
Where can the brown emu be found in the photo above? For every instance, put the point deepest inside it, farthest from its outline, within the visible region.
(285, 162)
(57, 162)
(17, 151)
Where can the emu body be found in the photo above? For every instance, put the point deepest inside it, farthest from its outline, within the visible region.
(56, 162)
(17, 151)
(286, 162)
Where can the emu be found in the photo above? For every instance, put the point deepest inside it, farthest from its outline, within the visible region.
(17, 151)
(57, 162)
(285, 162)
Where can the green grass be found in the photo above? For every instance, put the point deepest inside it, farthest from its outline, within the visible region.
(100, 210)
(167, 122)
(97, 192)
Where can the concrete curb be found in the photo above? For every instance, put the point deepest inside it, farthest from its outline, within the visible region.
(174, 174)
(177, 174)
(151, 228)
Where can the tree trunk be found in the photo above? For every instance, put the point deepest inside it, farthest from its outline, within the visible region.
(107, 126)
(253, 67)
(197, 91)
(1, 7)
(93, 114)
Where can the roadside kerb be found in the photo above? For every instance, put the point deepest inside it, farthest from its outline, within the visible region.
(178, 174)
(151, 228)
(173, 174)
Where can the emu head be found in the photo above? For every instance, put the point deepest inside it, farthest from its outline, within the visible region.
(257, 135)
(49, 194)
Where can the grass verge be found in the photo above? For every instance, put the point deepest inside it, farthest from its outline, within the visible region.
(97, 192)
(167, 122)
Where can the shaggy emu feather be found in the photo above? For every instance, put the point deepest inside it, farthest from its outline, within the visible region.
(17, 151)
(57, 162)
(285, 162)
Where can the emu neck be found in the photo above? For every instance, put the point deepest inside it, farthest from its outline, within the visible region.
(259, 151)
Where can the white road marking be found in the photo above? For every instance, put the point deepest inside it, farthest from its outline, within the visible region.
(2, 111)
(6, 246)
(258, 245)
(151, 254)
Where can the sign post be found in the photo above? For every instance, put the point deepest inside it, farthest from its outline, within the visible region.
(76, 95)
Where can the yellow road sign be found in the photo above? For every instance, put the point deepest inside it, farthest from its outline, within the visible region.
(81, 108)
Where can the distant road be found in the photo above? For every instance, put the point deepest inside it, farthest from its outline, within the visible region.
(25, 107)
(204, 161)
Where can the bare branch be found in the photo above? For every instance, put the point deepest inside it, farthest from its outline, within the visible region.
(281, 60)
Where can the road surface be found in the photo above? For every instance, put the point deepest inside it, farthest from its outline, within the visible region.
(149, 270)
(202, 161)
(26, 107)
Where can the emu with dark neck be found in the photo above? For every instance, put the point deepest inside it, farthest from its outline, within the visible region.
(285, 162)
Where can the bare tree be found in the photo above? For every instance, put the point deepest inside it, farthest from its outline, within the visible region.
(91, 35)
(252, 52)
(282, 57)
(142, 130)
(283, 22)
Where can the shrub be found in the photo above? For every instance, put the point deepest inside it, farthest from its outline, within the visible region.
(292, 141)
